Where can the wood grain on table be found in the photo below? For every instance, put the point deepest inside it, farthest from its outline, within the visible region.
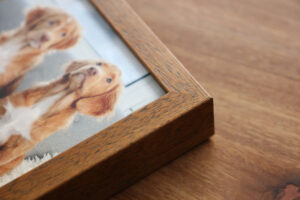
(247, 55)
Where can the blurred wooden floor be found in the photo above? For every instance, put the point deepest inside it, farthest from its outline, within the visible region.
(246, 53)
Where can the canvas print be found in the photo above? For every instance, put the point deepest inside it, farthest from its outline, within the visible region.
(64, 76)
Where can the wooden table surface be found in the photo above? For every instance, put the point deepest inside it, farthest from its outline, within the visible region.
(246, 53)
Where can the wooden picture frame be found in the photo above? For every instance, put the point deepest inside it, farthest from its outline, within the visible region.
(130, 149)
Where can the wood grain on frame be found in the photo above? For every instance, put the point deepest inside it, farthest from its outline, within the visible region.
(130, 149)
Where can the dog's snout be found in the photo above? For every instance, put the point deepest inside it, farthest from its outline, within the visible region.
(92, 71)
(44, 38)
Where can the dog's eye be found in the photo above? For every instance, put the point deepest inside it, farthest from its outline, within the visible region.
(108, 80)
(99, 63)
(63, 34)
(52, 23)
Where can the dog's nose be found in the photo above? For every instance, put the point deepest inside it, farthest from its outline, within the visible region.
(44, 38)
(92, 71)
(66, 77)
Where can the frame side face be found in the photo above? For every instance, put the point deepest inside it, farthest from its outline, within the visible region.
(140, 158)
(186, 105)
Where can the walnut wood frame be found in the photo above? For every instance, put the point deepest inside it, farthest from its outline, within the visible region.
(132, 148)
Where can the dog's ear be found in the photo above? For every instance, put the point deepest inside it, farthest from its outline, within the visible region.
(34, 15)
(99, 105)
(67, 42)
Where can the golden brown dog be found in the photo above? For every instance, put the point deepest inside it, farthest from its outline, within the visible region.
(29, 117)
(22, 49)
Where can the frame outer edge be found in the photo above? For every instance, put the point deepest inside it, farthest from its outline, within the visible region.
(141, 158)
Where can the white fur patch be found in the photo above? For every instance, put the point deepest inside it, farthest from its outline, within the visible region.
(19, 120)
(27, 165)
(8, 50)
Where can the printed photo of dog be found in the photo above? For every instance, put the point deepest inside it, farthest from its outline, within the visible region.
(45, 29)
(28, 117)
(65, 76)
